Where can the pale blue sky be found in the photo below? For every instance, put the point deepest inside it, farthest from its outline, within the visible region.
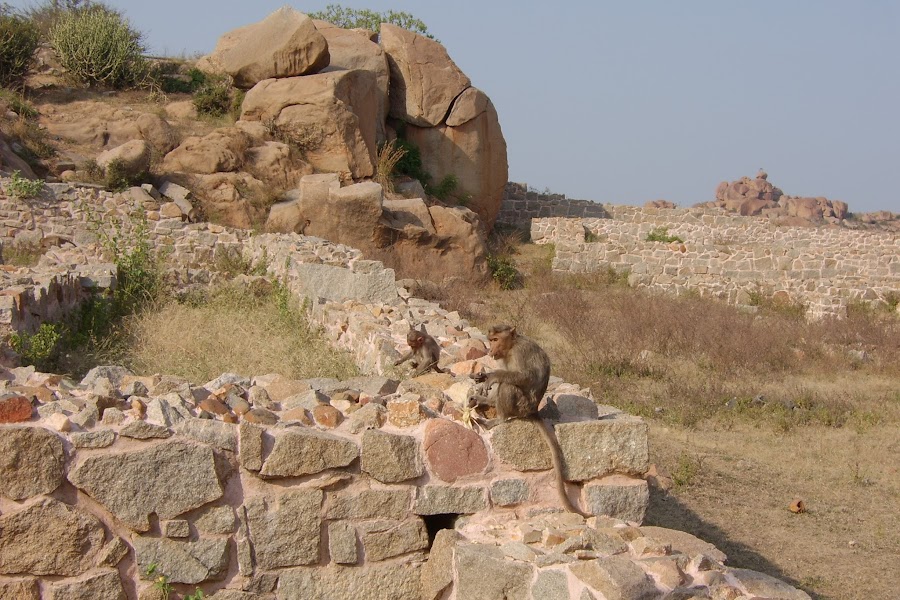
(632, 101)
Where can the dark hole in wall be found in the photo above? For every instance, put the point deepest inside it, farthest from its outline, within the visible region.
(434, 523)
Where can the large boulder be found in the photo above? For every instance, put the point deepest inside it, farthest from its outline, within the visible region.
(330, 116)
(284, 44)
(442, 242)
(474, 152)
(424, 80)
(235, 199)
(133, 156)
(220, 151)
(354, 49)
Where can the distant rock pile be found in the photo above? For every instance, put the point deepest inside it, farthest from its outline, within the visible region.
(758, 197)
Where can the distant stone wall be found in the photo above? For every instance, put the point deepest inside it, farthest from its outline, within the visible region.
(520, 206)
(730, 257)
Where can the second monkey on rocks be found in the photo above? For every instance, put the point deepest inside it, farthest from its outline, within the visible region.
(424, 350)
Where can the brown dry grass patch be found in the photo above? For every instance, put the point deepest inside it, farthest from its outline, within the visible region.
(747, 412)
(232, 330)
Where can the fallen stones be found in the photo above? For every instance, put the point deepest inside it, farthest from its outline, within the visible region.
(15, 409)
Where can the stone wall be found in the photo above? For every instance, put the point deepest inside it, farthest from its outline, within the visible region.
(731, 257)
(520, 206)
(258, 486)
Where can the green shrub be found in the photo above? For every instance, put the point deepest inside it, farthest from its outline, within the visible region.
(18, 40)
(504, 272)
(351, 18)
(98, 46)
(213, 95)
(443, 190)
(22, 187)
(411, 162)
(116, 178)
(36, 349)
(661, 234)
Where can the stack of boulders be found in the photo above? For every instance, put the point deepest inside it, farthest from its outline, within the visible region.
(758, 197)
(319, 99)
(328, 89)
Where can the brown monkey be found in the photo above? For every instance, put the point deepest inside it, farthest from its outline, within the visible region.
(521, 383)
(424, 350)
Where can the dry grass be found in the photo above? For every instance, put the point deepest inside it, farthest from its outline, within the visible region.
(747, 411)
(232, 330)
(388, 156)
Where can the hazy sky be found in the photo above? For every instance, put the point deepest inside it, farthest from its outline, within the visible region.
(635, 100)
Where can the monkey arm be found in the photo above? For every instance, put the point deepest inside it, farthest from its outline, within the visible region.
(404, 358)
(516, 378)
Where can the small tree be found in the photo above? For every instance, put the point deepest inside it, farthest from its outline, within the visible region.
(98, 46)
(351, 18)
(18, 40)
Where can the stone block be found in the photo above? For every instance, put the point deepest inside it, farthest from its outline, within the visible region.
(342, 543)
(387, 539)
(31, 462)
(392, 503)
(405, 411)
(483, 573)
(618, 497)
(390, 458)
(285, 530)
(369, 582)
(591, 449)
(176, 528)
(508, 492)
(444, 500)
(182, 562)
(617, 578)
(251, 445)
(299, 452)
(520, 444)
(452, 451)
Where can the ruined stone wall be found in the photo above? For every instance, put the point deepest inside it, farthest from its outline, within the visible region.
(730, 257)
(262, 487)
(520, 206)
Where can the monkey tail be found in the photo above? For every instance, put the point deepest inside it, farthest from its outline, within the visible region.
(556, 458)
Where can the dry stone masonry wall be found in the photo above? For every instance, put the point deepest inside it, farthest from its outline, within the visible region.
(521, 205)
(258, 486)
(730, 257)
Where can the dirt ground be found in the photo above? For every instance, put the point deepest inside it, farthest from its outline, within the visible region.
(737, 483)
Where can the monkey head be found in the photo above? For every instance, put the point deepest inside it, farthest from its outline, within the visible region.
(501, 338)
(415, 339)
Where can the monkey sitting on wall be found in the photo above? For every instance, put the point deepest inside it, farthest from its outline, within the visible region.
(517, 388)
(425, 351)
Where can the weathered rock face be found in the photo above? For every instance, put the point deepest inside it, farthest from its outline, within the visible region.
(352, 49)
(31, 462)
(473, 151)
(424, 80)
(167, 479)
(220, 151)
(331, 115)
(284, 44)
(105, 127)
(444, 242)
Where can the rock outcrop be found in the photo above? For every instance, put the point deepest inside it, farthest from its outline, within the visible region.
(758, 197)
(442, 242)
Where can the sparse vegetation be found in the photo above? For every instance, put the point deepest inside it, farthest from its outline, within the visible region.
(160, 581)
(661, 234)
(37, 348)
(351, 18)
(98, 46)
(19, 39)
(389, 154)
(22, 187)
(213, 94)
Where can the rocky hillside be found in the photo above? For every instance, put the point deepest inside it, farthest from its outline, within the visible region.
(316, 99)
